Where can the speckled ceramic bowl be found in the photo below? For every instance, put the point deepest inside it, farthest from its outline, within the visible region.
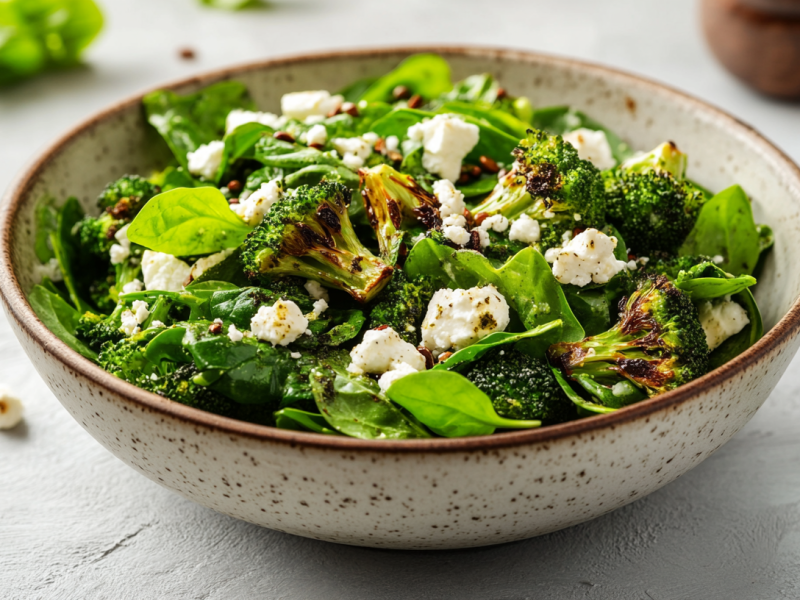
(437, 493)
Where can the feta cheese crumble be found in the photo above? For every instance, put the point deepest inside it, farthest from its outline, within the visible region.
(205, 161)
(592, 146)
(316, 291)
(317, 103)
(279, 324)
(457, 234)
(483, 236)
(317, 135)
(456, 220)
(320, 306)
(718, 259)
(525, 230)
(204, 264)
(392, 143)
(295, 355)
(446, 140)
(384, 350)
(451, 201)
(158, 324)
(51, 270)
(390, 377)
(354, 151)
(586, 258)
(163, 272)
(458, 318)
(721, 320)
(132, 287)
(496, 222)
(253, 208)
(234, 334)
(131, 319)
(239, 117)
(120, 251)
(10, 409)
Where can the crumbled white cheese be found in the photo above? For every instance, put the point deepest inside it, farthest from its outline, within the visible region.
(157, 324)
(317, 135)
(631, 265)
(205, 161)
(451, 201)
(320, 306)
(295, 355)
(318, 103)
(10, 409)
(524, 229)
(392, 143)
(592, 146)
(130, 324)
(446, 140)
(621, 388)
(483, 236)
(163, 272)
(384, 350)
(566, 237)
(588, 257)
(51, 270)
(721, 320)
(252, 209)
(456, 234)
(418, 238)
(239, 117)
(576, 216)
(390, 377)
(140, 311)
(454, 220)
(496, 222)
(234, 334)
(354, 151)
(644, 259)
(204, 264)
(279, 324)
(718, 259)
(371, 138)
(313, 119)
(120, 251)
(548, 214)
(551, 254)
(132, 286)
(316, 291)
(458, 318)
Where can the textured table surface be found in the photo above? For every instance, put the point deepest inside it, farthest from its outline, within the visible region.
(77, 523)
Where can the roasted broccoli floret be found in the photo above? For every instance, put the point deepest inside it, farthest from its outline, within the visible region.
(548, 179)
(393, 201)
(308, 234)
(657, 345)
(96, 234)
(96, 329)
(125, 197)
(402, 305)
(650, 203)
(126, 358)
(521, 387)
(672, 266)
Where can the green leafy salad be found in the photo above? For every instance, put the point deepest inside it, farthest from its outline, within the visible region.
(406, 258)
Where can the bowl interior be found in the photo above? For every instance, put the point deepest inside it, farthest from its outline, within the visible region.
(721, 150)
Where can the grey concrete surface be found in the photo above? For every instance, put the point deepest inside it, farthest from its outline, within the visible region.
(77, 523)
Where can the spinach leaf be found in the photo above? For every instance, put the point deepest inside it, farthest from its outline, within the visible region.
(168, 345)
(450, 405)
(355, 406)
(499, 119)
(591, 306)
(229, 270)
(241, 143)
(45, 216)
(68, 253)
(274, 155)
(425, 74)
(558, 120)
(479, 187)
(188, 221)
(586, 406)
(44, 34)
(355, 90)
(187, 122)
(301, 420)
(313, 174)
(346, 325)
(706, 281)
(60, 318)
(175, 177)
(238, 306)
(725, 227)
(622, 394)
(261, 176)
(525, 281)
(534, 343)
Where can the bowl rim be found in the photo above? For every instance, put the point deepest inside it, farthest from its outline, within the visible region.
(18, 308)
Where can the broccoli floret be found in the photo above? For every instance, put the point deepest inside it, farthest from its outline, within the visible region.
(125, 197)
(672, 266)
(101, 294)
(657, 345)
(548, 178)
(650, 203)
(308, 234)
(501, 248)
(96, 329)
(521, 387)
(402, 305)
(125, 358)
(394, 201)
(96, 234)
(552, 231)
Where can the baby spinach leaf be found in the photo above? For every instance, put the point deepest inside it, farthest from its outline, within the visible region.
(463, 410)
(577, 399)
(479, 187)
(425, 74)
(499, 119)
(558, 120)
(273, 156)
(706, 281)
(534, 343)
(60, 318)
(346, 325)
(355, 406)
(239, 306)
(301, 420)
(46, 218)
(241, 143)
(355, 90)
(168, 345)
(186, 122)
(229, 270)
(525, 281)
(175, 177)
(68, 253)
(725, 227)
(188, 221)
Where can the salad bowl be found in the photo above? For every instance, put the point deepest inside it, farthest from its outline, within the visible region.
(429, 493)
